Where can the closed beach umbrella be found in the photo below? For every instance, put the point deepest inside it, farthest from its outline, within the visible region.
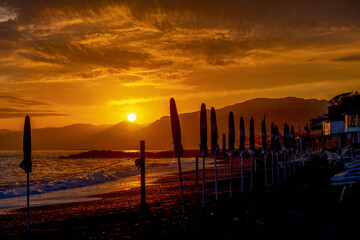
(26, 164)
(292, 144)
(231, 148)
(223, 151)
(203, 146)
(272, 139)
(264, 147)
(292, 137)
(178, 149)
(284, 143)
(288, 146)
(277, 138)
(272, 148)
(252, 137)
(231, 145)
(214, 144)
(252, 150)
(203, 131)
(242, 136)
(175, 127)
(214, 133)
(277, 148)
(263, 135)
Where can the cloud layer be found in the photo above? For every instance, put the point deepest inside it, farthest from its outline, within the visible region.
(157, 48)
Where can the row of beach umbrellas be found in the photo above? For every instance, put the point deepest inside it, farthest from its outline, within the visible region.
(288, 144)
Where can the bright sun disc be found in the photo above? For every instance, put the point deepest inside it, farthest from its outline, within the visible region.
(131, 117)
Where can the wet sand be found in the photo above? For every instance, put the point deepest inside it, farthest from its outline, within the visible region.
(304, 206)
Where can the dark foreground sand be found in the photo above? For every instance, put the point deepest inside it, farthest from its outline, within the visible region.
(304, 206)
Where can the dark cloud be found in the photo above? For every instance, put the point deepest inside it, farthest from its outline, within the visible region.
(21, 101)
(18, 112)
(43, 35)
(19, 107)
(351, 58)
(211, 13)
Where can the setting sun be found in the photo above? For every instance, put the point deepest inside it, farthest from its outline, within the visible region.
(131, 117)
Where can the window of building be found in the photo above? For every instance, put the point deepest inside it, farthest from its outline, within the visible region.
(350, 120)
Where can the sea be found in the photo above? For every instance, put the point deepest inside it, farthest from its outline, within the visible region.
(55, 180)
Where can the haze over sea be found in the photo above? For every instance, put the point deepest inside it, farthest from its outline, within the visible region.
(54, 180)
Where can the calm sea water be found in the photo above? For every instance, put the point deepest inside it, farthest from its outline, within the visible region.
(54, 180)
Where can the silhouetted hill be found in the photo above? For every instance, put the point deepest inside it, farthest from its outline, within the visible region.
(126, 135)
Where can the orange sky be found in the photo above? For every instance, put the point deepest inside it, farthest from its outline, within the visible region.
(67, 62)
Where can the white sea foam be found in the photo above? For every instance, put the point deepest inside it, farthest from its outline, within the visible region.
(76, 181)
(55, 180)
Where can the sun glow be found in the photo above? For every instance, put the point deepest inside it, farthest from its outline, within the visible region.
(131, 117)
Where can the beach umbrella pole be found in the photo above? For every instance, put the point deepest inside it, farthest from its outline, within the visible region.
(231, 166)
(272, 168)
(224, 167)
(265, 169)
(303, 161)
(294, 162)
(181, 186)
(251, 172)
(284, 164)
(216, 187)
(197, 169)
(278, 169)
(203, 185)
(28, 202)
(289, 162)
(242, 174)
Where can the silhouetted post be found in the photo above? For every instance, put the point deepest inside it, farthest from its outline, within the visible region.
(231, 148)
(197, 169)
(203, 183)
(284, 164)
(242, 150)
(272, 146)
(26, 164)
(285, 148)
(142, 169)
(278, 168)
(181, 186)
(252, 149)
(288, 148)
(292, 137)
(277, 147)
(224, 154)
(251, 172)
(203, 146)
(28, 202)
(264, 147)
(214, 145)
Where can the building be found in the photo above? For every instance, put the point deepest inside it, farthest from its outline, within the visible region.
(343, 125)
(334, 127)
(316, 126)
(352, 127)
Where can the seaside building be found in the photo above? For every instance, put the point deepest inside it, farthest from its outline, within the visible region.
(342, 126)
(316, 126)
(352, 127)
(315, 131)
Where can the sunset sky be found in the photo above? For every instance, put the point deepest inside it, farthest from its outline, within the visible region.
(76, 61)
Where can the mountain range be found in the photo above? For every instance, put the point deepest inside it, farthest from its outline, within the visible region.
(157, 135)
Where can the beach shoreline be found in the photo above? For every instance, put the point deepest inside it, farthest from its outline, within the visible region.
(305, 205)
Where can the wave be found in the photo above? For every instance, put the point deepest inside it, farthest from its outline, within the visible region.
(97, 176)
(74, 181)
